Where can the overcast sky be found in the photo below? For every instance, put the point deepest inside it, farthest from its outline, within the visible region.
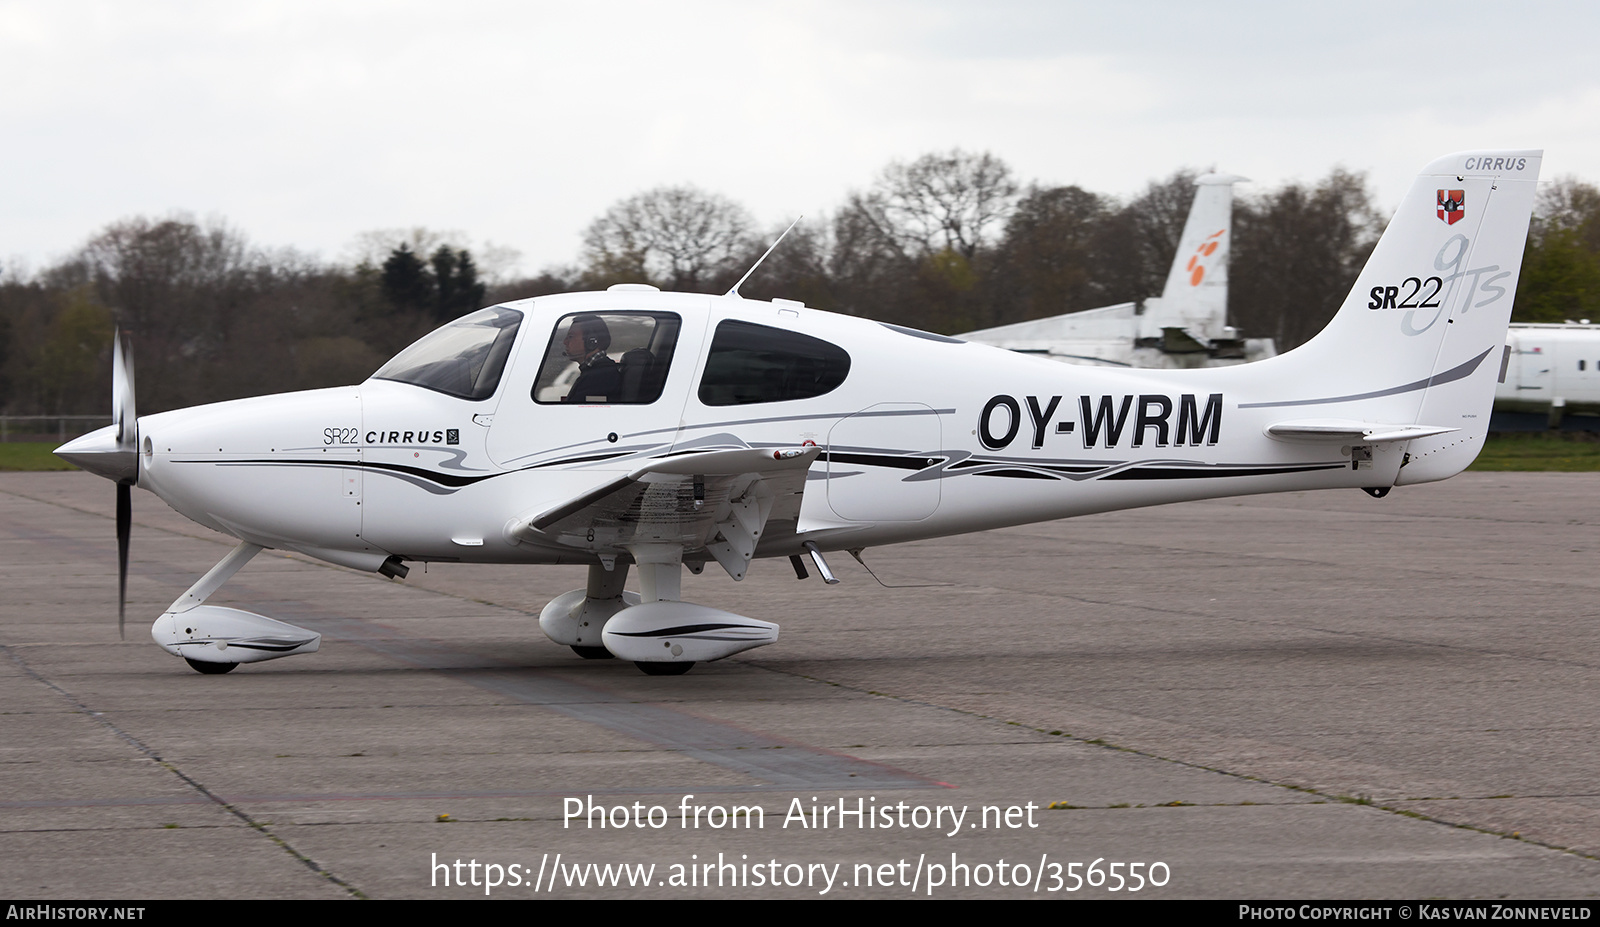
(517, 123)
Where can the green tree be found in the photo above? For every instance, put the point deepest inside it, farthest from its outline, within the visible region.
(70, 372)
(456, 280)
(407, 283)
(1560, 278)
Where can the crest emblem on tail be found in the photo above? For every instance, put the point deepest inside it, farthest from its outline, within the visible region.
(1452, 206)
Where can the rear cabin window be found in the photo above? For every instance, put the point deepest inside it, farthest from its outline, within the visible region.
(755, 363)
(462, 359)
(612, 358)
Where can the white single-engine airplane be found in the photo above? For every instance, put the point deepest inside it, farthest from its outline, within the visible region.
(702, 429)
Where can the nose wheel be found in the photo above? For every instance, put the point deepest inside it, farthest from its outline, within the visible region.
(210, 669)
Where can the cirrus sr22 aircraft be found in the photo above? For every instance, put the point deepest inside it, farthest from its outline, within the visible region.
(709, 431)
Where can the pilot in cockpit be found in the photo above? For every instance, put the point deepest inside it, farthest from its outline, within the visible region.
(599, 377)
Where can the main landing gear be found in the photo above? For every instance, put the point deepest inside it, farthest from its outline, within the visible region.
(661, 635)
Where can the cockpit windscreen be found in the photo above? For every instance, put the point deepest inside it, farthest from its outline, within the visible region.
(463, 359)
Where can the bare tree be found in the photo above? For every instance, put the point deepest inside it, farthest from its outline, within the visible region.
(911, 249)
(1154, 219)
(953, 202)
(372, 248)
(555, 279)
(797, 269)
(1050, 260)
(151, 271)
(177, 286)
(677, 237)
(1297, 251)
(1568, 205)
(1160, 213)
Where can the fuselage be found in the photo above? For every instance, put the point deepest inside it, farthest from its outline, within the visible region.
(921, 436)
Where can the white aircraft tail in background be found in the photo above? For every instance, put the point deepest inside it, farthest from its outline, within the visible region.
(1186, 326)
(1195, 299)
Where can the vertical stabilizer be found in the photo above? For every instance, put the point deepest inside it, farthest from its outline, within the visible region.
(1195, 298)
(1420, 338)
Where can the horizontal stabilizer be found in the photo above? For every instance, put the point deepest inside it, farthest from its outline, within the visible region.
(1176, 340)
(1347, 431)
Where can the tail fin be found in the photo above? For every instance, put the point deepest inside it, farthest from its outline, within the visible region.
(1195, 298)
(1420, 338)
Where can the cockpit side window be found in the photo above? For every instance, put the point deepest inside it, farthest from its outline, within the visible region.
(464, 358)
(751, 363)
(615, 358)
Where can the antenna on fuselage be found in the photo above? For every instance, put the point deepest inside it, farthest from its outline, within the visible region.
(763, 257)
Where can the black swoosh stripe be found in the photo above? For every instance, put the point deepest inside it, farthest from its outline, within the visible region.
(685, 629)
(1178, 473)
(243, 645)
(1018, 474)
(880, 460)
(453, 480)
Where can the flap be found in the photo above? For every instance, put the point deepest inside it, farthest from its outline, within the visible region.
(685, 499)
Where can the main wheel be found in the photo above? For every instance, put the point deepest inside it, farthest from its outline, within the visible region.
(593, 653)
(210, 669)
(663, 669)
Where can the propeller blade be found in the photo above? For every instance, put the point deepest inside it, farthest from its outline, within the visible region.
(127, 421)
(124, 530)
(123, 412)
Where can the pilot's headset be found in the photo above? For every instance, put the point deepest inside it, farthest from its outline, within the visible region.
(595, 333)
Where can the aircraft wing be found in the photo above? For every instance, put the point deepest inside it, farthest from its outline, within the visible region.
(718, 501)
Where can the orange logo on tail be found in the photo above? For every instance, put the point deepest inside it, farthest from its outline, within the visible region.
(1197, 270)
